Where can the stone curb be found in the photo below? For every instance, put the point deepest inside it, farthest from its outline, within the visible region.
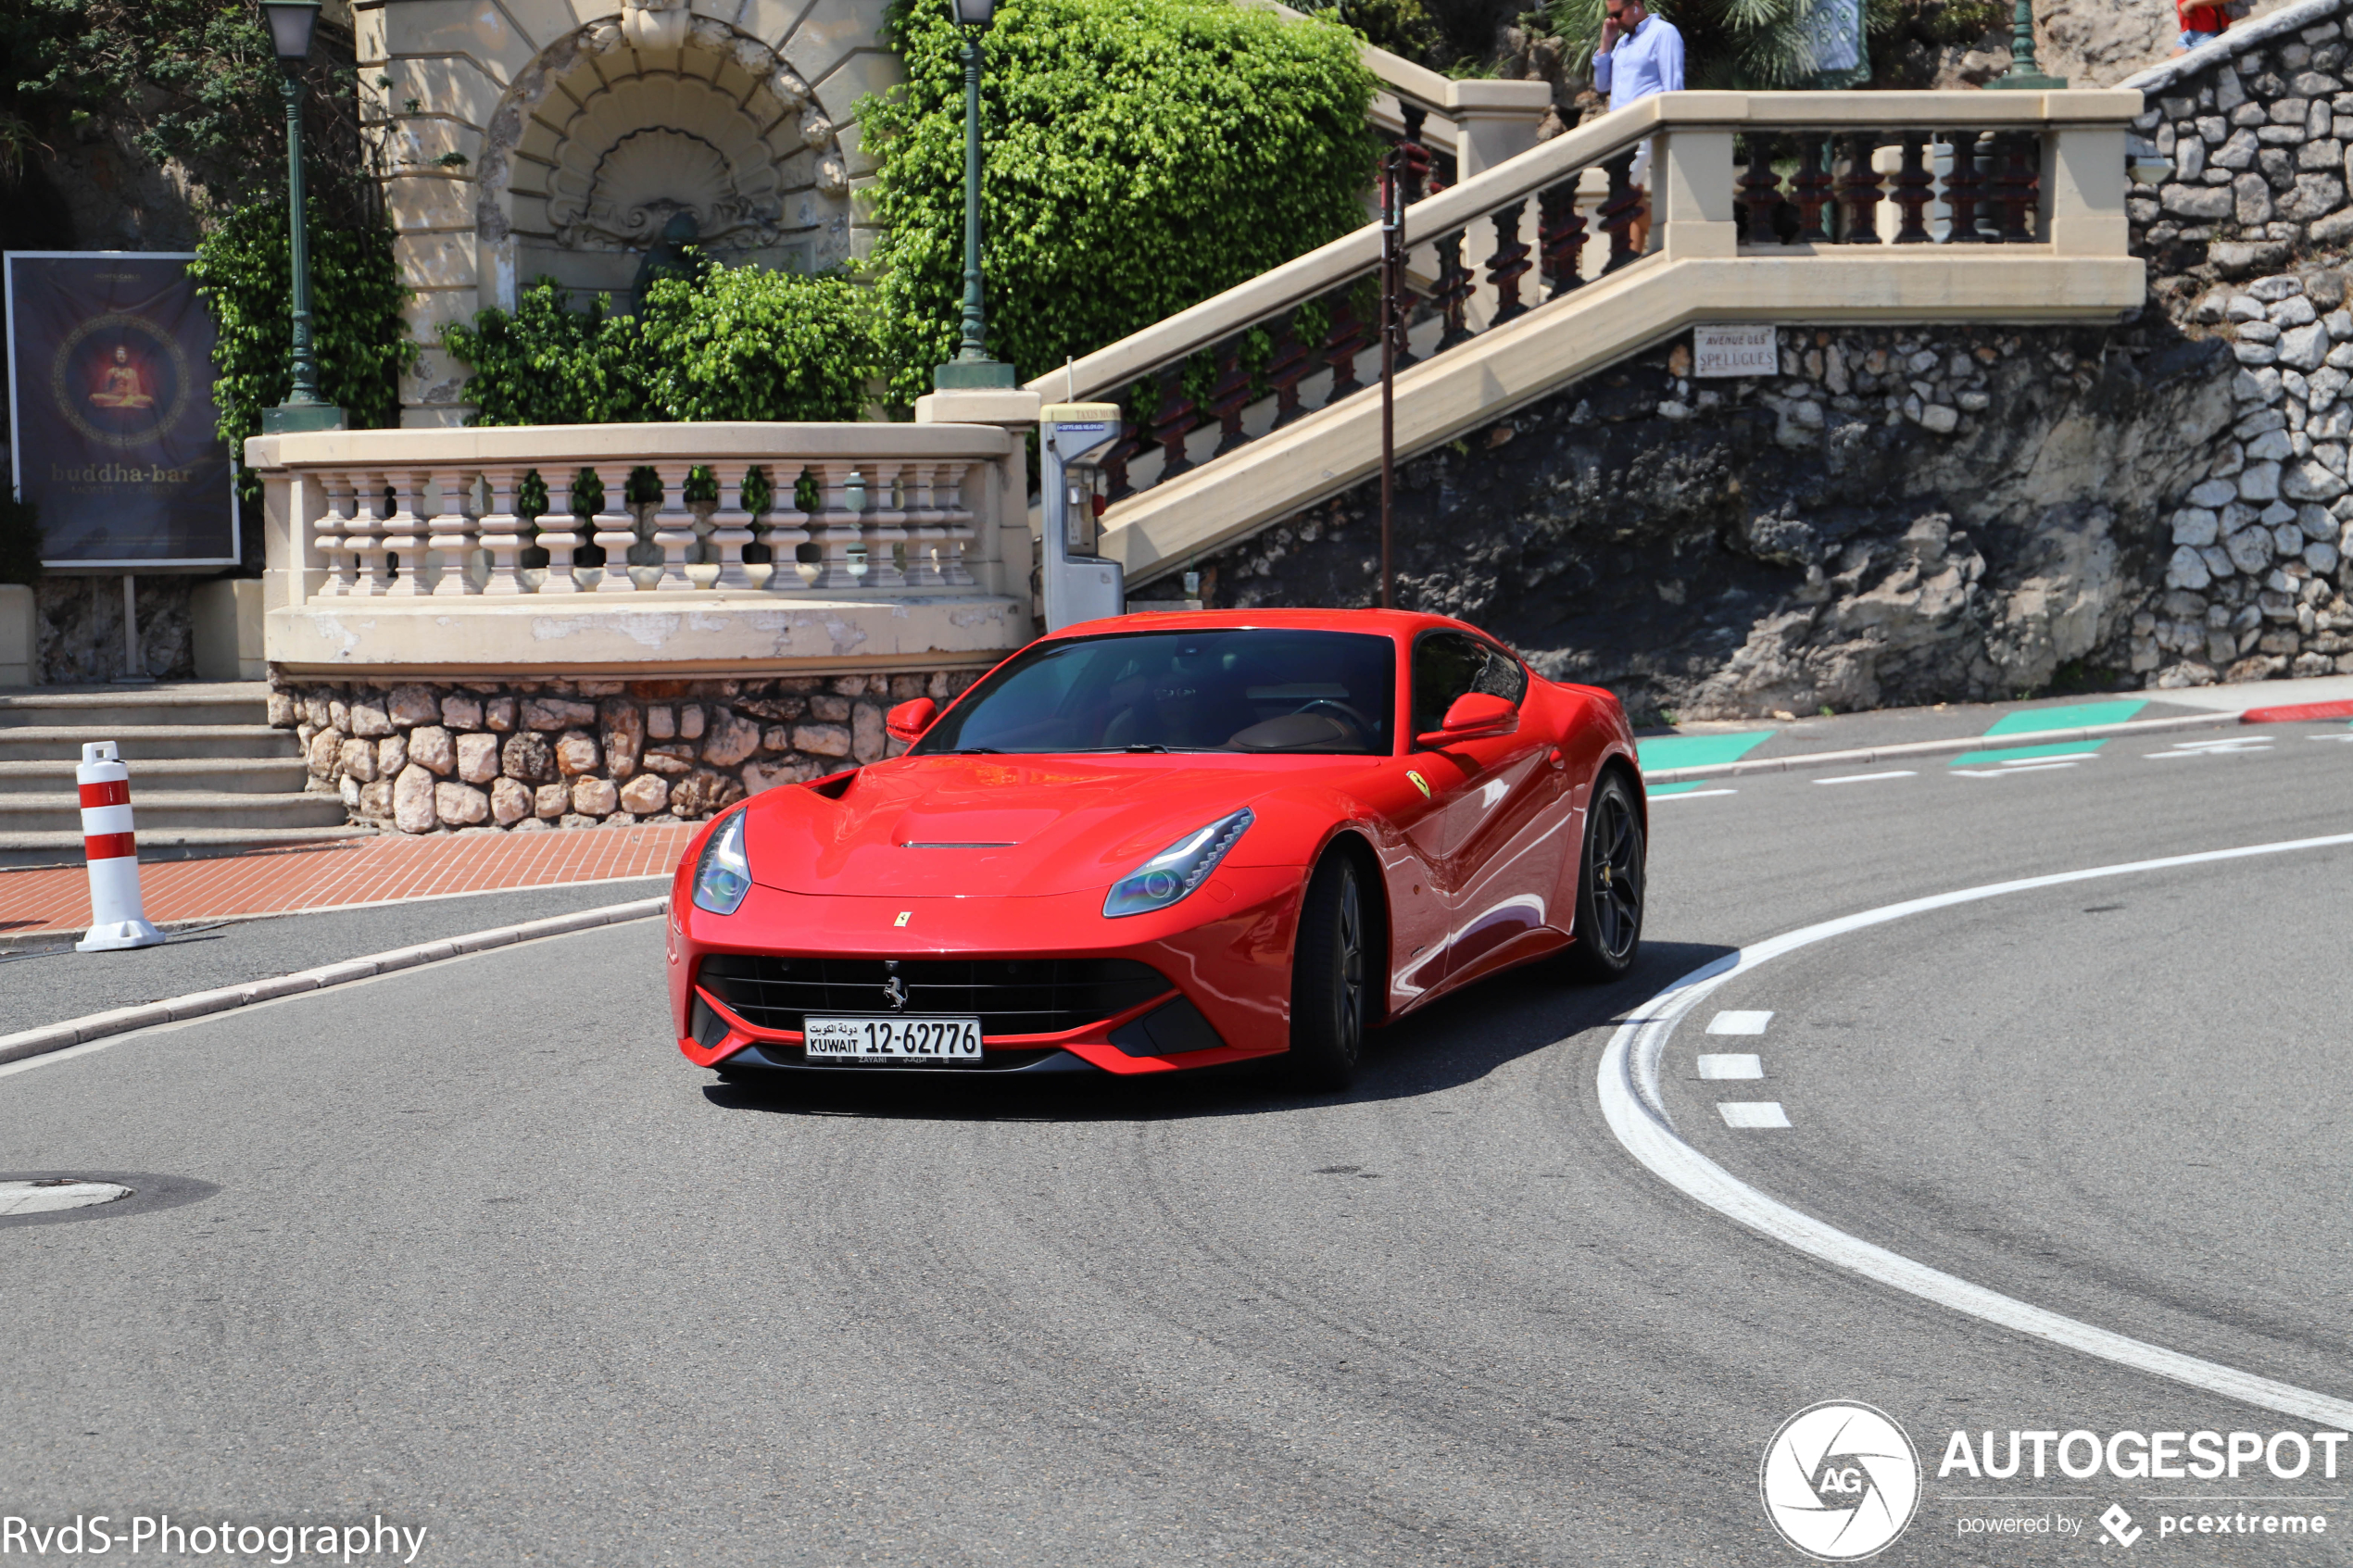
(1940, 747)
(121, 1021)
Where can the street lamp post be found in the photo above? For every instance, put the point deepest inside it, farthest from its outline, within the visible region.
(2024, 74)
(291, 22)
(973, 368)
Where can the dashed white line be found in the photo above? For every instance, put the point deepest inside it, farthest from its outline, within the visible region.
(1735, 1066)
(1752, 1113)
(1626, 1083)
(2047, 759)
(1738, 1022)
(2006, 773)
(1867, 778)
(1694, 794)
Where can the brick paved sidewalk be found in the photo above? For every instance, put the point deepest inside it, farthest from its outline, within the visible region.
(48, 900)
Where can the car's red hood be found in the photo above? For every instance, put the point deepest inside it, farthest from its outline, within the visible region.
(1014, 825)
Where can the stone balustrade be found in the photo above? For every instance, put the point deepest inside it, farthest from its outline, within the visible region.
(715, 549)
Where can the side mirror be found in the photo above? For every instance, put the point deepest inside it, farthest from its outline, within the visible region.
(1474, 714)
(910, 719)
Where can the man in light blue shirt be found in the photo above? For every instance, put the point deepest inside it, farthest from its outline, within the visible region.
(1639, 54)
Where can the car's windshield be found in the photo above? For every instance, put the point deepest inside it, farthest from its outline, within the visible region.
(1243, 689)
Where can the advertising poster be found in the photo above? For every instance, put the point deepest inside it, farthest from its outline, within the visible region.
(110, 396)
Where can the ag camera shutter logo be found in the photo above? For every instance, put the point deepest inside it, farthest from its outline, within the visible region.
(1839, 1481)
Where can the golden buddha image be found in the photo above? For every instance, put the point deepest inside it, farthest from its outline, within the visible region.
(125, 385)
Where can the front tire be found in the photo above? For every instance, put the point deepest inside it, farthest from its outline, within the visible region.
(1610, 884)
(1328, 992)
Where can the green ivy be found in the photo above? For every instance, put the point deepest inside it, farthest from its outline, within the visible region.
(722, 343)
(1142, 156)
(547, 364)
(739, 343)
(361, 343)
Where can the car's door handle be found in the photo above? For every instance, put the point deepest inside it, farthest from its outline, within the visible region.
(1557, 760)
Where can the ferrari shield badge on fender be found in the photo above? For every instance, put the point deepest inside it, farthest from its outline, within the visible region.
(902, 917)
(1419, 783)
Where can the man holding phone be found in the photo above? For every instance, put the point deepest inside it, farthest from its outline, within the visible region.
(1639, 54)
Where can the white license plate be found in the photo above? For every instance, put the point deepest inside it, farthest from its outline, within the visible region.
(891, 1039)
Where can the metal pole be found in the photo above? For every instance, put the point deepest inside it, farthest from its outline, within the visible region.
(306, 368)
(135, 665)
(1393, 227)
(2025, 74)
(975, 343)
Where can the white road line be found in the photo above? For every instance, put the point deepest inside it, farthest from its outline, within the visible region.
(2048, 759)
(1723, 1067)
(1867, 778)
(1738, 1022)
(2225, 744)
(1628, 1085)
(2328, 737)
(2009, 772)
(1752, 1113)
(1692, 794)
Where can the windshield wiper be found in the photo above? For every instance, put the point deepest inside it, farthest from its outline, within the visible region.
(979, 751)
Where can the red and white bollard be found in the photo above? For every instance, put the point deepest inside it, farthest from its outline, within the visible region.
(117, 917)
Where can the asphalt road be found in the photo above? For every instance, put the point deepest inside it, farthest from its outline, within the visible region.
(485, 1257)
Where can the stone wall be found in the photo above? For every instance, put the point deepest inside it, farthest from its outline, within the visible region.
(1940, 513)
(529, 755)
(81, 629)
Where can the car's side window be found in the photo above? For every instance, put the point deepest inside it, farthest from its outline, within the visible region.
(1446, 664)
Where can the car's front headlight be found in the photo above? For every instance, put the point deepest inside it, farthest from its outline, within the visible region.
(1176, 871)
(722, 876)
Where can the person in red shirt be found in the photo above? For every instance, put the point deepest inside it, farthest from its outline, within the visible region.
(2202, 22)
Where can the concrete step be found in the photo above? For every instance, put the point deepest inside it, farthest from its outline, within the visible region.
(149, 743)
(21, 849)
(198, 702)
(155, 811)
(235, 776)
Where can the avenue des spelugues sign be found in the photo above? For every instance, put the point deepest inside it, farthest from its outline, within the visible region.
(113, 433)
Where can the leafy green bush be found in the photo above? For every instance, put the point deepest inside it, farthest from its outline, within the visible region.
(547, 364)
(1142, 156)
(724, 343)
(739, 343)
(356, 297)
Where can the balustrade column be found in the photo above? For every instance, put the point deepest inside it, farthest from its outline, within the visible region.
(958, 524)
(731, 532)
(1342, 345)
(1230, 395)
(501, 534)
(1761, 190)
(1915, 188)
(886, 527)
(1451, 298)
(1620, 208)
(1563, 238)
(1963, 187)
(559, 536)
(453, 530)
(837, 526)
(673, 529)
(1177, 417)
(787, 532)
(1859, 189)
(2016, 187)
(1290, 364)
(330, 535)
(404, 537)
(1509, 264)
(613, 529)
(1811, 190)
(925, 526)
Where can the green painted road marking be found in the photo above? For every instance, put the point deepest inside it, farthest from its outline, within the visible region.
(1688, 785)
(2076, 716)
(1698, 751)
(2015, 753)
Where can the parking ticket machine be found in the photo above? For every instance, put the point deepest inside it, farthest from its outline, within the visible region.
(1076, 583)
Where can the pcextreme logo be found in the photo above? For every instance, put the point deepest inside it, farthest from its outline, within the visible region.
(1839, 1481)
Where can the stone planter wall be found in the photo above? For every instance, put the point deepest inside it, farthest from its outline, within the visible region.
(521, 755)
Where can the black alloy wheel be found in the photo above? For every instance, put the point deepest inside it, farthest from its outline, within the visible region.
(1328, 963)
(1609, 887)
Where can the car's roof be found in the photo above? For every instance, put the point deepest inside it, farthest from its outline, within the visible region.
(1392, 623)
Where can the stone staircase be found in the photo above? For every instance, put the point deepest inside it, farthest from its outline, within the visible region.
(207, 772)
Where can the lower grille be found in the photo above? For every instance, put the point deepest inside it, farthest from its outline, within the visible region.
(1009, 996)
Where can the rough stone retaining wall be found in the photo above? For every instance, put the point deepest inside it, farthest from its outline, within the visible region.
(529, 755)
(1938, 514)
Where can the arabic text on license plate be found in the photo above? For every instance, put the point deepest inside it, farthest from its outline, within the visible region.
(891, 1039)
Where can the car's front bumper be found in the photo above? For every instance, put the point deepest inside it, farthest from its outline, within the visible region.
(1226, 952)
